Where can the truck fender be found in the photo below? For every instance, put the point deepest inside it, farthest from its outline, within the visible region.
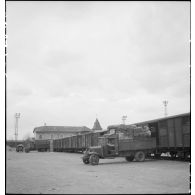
(90, 153)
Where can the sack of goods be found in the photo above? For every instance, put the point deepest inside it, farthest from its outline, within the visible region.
(142, 131)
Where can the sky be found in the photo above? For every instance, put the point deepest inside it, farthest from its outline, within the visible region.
(69, 63)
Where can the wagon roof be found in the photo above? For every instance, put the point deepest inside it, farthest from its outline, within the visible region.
(61, 129)
(150, 121)
(163, 118)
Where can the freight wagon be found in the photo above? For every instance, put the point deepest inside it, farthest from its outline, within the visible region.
(42, 145)
(172, 134)
(13, 143)
(77, 143)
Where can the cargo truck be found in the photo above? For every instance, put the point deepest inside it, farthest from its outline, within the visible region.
(121, 142)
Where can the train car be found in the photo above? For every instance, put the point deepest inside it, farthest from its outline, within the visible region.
(29, 145)
(58, 145)
(54, 145)
(68, 144)
(173, 134)
(88, 139)
(83, 142)
(42, 145)
(79, 143)
(65, 142)
(73, 143)
(76, 143)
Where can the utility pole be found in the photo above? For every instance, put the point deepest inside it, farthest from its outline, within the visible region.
(17, 116)
(165, 102)
(123, 119)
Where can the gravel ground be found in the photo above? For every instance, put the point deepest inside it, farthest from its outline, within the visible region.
(64, 173)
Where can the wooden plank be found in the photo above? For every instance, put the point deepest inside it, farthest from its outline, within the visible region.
(178, 132)
(137, 144)
(171, 136)
(186, 140)
(163, 141)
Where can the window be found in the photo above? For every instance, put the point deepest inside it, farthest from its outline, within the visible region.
(40, 136)
(51, 136)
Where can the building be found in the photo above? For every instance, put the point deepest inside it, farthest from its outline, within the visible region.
(96, 125)
(55, 132)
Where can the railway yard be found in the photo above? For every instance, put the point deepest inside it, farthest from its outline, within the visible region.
(65, 173)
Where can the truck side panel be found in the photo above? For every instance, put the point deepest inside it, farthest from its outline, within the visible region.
(142, 143)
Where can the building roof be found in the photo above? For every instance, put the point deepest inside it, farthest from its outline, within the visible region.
(68, 129)
(96, 125)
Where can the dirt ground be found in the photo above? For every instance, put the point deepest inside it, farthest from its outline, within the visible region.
(65, 173)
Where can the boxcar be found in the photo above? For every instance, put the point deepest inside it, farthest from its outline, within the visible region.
(76, 143)
(73, 144)
(172, 134)
(42, 145)
(79, 143)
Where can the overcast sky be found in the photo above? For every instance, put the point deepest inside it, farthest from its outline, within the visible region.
(70, 62)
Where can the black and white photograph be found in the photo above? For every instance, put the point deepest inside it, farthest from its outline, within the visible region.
(98, 97)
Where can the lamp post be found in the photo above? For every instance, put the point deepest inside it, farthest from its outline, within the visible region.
(165, 102)
(123, 119)
(17, 116)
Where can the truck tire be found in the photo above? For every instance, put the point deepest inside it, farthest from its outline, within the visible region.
(86, 160)
(94, 159)
(140, 156)
(129, 158)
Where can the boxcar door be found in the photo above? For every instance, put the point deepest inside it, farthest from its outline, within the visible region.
(186, 131)
(154, 131)
(163, 134)
(171, 132)
(178, 132)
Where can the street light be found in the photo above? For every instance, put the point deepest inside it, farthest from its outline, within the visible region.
(124, 118)
(165, 102)
(17, 116)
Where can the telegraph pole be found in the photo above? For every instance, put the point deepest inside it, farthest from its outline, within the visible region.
(123, 119)
(165, 102)
(17, 116)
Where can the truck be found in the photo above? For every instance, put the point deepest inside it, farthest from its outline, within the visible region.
(133, 143)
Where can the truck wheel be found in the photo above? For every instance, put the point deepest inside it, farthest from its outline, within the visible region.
(94, 159)
(129, 158)
(86, 160)
(140, 156)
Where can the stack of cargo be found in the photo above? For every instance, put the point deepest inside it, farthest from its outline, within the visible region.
(135, 131)
(142, 132)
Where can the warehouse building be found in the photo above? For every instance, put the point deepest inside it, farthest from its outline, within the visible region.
(54, 132)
